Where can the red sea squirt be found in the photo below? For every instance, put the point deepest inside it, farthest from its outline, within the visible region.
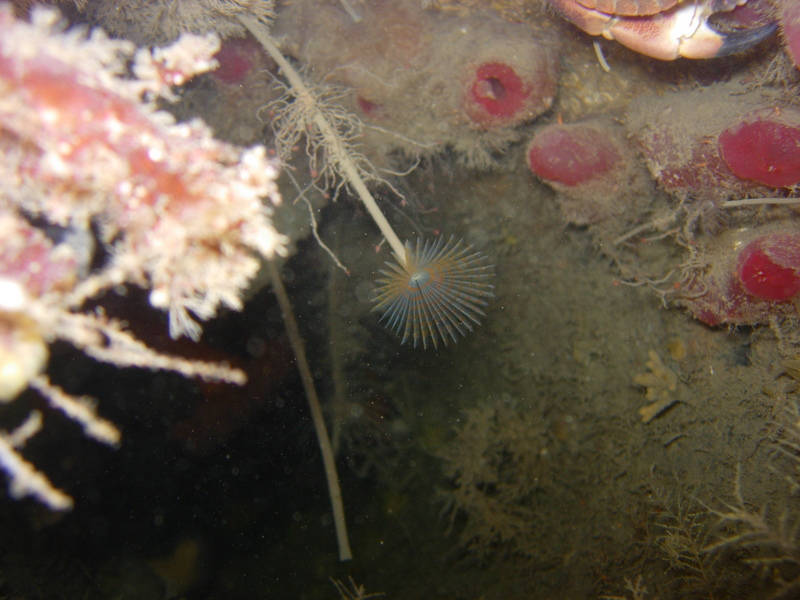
(769, 267)
(572, 154)
(593, 169)
(498, 90)
(751, 276)
(506, 91)
(764, 147)
(789, 16)
(239, 59)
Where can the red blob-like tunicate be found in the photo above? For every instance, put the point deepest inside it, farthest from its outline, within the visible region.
(765, 149)
(368, 107)
(238, 58)
(769, 267)
(789, 15)
(750, 277)
(499, 90)
(572, 154)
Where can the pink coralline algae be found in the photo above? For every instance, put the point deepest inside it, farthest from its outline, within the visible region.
(91, 172)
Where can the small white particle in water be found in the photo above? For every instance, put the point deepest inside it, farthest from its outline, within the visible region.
(12, 295)
(155, 154)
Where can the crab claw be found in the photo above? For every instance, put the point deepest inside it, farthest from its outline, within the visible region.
(683, 31)
(741, 40)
